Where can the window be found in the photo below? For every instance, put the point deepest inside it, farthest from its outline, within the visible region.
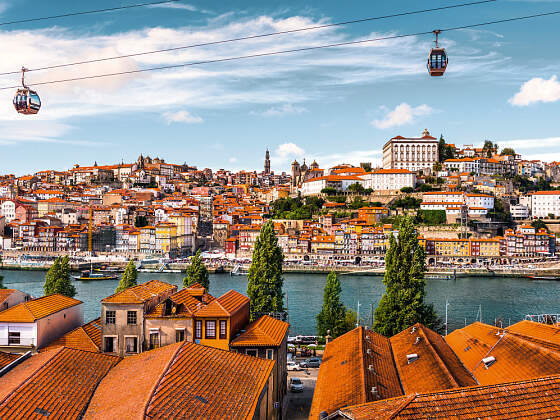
(131, 344)
(198, 329)
(14, 337)
(110, 344)
(223, 330)
(179, 335)
(131, 317)
(270, 354)
(210, 329)
(251, 352)
(110, 317)
(154, 340)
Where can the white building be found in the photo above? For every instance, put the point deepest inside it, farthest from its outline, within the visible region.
(314, 186)
(389, 179)
(519, 211)
(36, 323)
(411, 153)
(480, 200)
(8, 210)
(544, 203)
(463, 165)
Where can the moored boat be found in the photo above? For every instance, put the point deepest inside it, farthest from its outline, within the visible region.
(88, 275)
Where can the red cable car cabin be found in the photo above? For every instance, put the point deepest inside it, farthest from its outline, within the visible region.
(437, 60)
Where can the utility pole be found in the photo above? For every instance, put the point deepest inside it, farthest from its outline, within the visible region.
(358, 316)
(446, 305)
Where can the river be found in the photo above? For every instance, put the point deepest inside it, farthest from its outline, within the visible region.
(508, 298)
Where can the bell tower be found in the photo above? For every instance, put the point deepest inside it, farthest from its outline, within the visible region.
(267, 163)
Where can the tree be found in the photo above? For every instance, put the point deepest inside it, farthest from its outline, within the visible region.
(1, 282)
(508, 151)
(539, 224)
(356, 187)
(437, 167)
(366, 166)
(141, 221)
(51, 278)
(63, 284)
(265, 280)
(128, 278)
(425, 188)
(407, 190)
(328, 191)
(489, 148)
(197, 272)
(350, 320)
(445, 150)
(333, 314)
(402, 304)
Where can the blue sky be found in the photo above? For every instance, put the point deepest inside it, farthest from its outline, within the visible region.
(335, 105)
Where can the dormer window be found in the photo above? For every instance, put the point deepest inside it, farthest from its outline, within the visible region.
(488, 361)
(411, 357)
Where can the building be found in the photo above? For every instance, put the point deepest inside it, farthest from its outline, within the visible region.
(34, 324)
(123, 316)
(413, 154)
(389, 179)
(545, 203)
(186, 381)
(267, 163)
(267, 338)
(12, 297)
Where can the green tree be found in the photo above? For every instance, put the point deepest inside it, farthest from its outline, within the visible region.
(333, 314)
(265, 280)
(489, 148)
(141, 221)
(539, 224)
(437, 167)
(1, 282)
(402, 304)
(128, 278)
(508, 151)
(407, 190)
(52, 277)
(366, 166)
(328, 191)
(356, 188)
(63, 285)
(350, 320)
(425, 188)
(197, 272)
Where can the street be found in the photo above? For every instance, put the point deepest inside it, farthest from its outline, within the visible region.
(299, 403)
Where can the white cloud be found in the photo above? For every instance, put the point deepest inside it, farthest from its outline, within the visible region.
(280, 111)
(537, 90)
(353, 157)
(182, 117)
(402, 114)
(286, 150)
(522, 144)
(232, 159)
(181, 6)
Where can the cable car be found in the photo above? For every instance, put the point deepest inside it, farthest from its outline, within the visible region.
(26, 101)
(437, 60)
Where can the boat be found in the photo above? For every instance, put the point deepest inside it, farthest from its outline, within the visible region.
(438, 277)
(89, 275)
(543, 277)
(237, 271)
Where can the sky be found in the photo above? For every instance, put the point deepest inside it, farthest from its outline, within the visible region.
(333, 105)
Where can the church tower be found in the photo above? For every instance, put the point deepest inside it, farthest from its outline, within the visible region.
(267, 163)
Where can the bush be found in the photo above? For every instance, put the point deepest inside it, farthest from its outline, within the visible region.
(407, 190)
(431, 217)
(425, 188)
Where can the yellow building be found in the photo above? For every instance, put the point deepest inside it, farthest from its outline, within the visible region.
(452, 247)
(166, 238)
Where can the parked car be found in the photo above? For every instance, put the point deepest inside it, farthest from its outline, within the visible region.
(296, 385)
(313, 362)
(293, 366)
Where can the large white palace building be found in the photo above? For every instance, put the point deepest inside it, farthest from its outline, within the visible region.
(411, 153)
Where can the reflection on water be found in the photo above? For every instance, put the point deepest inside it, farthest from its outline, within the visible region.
(508, 298)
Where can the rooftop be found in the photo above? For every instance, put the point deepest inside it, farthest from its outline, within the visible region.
(37, 308)
(86, 337)
(141, 293)
(265, 331)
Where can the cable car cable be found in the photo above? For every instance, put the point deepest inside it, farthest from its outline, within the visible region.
(244, 38)
(88, 12)
(272, 53)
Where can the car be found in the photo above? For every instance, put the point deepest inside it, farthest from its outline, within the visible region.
(313, 362)
(296, 385)
(293, 366)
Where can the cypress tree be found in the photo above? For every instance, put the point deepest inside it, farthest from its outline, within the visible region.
(1, 282)
(51, 278)
(265, 280)
(402, 304)
(63, 284)
(333, 314)
(197, 272)
(128, 278)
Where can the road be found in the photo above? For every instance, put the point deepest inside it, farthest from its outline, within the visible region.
(299, 403)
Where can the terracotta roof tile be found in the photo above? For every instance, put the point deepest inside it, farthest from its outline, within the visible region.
(344, 376)
(7, 358)
(265, 331)
(436, 367)
(37, 308)
(532, 399)
(140, 293)
(86, 337)
(226, 305)
(5, 293)
(60, 388)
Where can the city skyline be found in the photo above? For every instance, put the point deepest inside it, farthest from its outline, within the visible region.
(296, 105)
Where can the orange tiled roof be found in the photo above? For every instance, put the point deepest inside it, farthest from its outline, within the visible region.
(532, 399)
(37, 308)
(140, 293)
(183, 380)
(186, 303)
(86, 337)
(7, 358)
(344, 376)
(226, 305)
(265, 331)
(5, 293)
(436, 367)
(61, 387)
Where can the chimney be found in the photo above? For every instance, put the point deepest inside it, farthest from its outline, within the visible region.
(205, 298)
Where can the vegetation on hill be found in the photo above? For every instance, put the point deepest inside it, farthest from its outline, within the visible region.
(296, 208)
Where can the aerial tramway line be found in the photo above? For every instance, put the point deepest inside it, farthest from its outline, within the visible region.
(26, 101)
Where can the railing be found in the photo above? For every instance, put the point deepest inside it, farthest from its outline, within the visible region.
(550, 319)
